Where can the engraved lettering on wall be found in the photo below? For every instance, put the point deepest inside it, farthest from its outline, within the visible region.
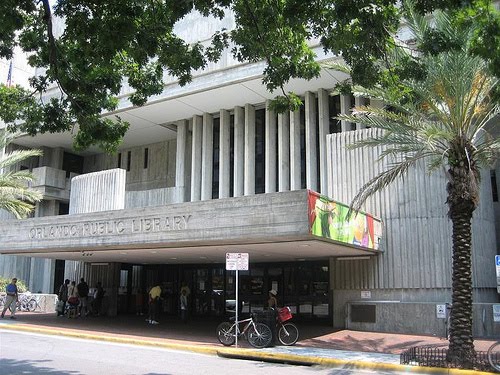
(111, 227)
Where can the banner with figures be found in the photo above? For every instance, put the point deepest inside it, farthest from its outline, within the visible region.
(327, 218)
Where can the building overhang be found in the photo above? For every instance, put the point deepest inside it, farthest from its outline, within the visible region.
(270, 227)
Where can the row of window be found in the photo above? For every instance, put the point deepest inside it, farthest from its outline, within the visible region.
(129, 158)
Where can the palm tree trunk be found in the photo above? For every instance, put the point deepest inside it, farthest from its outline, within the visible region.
(462, 201)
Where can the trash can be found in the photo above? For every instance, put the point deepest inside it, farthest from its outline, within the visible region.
(268, 317)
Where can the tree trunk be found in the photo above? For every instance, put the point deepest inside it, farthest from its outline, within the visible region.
(462, 201)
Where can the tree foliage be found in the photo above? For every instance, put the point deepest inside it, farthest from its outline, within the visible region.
(105, 44)
(16, 196)
(21, 285)
(444, 116)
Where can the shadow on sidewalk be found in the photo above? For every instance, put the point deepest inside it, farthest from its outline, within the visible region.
(198, 330)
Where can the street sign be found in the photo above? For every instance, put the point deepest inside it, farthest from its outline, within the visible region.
(237, 261)
(497, 266)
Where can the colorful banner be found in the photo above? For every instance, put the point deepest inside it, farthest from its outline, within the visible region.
(327, 218)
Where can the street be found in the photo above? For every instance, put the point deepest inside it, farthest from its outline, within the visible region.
(27, 353)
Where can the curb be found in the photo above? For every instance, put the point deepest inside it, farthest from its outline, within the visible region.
(212, 350)
(339, 363)
(249, 354)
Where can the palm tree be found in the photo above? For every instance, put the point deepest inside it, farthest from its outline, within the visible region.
(444, 119)
(15, 195)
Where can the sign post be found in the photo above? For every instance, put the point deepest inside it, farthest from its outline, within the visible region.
(236, 262)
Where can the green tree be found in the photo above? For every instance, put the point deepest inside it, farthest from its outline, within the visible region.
(15, 195)
(440, 112)
(107, 43)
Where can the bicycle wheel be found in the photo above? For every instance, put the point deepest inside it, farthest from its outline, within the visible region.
(259, 335)
(288, 334)
(31, 305)
(226, 334)
(494, 356)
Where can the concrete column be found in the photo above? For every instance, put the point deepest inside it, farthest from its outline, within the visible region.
(324, 130)
(270, 168)
(207, 157)
(295, 183)
(284, 151)
(311, 152)
(249, 188)
(358, 102)
(52, 157)
(180, 159)
(224, 154)
(196, 159)
(239, 151)
(345, 109)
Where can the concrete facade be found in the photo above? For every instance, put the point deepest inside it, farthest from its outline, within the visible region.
(154, 201)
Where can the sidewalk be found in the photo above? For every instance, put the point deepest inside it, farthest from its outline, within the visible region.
(318, 344)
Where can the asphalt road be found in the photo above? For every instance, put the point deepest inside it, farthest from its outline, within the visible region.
(28, 353)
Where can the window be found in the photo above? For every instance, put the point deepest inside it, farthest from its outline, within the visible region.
(129, 160)
(216, 158)
(72, 163)
(260, 148)
(120, 160)
(494, 187)
(146, 157)
(334, 110)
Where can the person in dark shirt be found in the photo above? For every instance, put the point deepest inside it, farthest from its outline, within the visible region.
(98, 297)
(63, 297)
(83, 293)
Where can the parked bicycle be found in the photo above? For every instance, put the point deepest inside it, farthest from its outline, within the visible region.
(288, 333)
(259, 335)
(26, 303)
(494, 356)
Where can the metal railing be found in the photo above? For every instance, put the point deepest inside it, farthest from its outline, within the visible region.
(437, 356)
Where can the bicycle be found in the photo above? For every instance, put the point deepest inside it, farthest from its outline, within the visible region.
(494, 356)
(26, 303)
(288, 333)
(258, 335)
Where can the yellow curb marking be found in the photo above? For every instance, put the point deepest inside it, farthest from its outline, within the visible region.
(213, 350)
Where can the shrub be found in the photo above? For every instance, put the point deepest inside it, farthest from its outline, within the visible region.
(21, 286)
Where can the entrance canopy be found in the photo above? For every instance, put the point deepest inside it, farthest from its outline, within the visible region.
(286, 226)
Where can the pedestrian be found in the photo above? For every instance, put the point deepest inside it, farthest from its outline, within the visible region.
(63, 297)
(272, 302)
(98, 297)
(83, 294)
(186, 288)
(139, 300)
(154, 304)
(11, 299)
(73, 300)
(272, 313)
(184, 306)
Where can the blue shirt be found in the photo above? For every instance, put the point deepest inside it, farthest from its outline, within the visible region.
(11, 289)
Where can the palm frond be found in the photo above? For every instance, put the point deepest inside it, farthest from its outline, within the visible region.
(19, 208)
(14, 157)
(382, 180)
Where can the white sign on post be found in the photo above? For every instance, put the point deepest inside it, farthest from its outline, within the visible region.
(496, 313)
(237, 262)
(441, 311)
